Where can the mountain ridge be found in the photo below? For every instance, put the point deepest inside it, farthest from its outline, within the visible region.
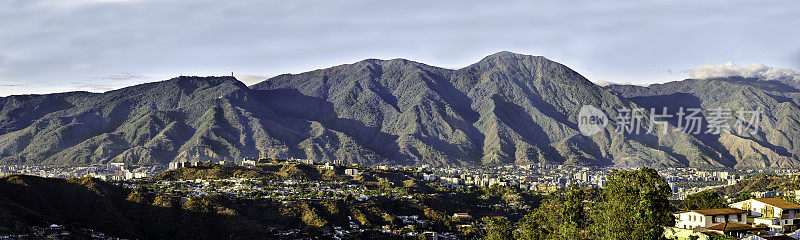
(507, 108)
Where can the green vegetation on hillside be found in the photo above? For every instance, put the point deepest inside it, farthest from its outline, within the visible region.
(775, 145)
(506, 108)
(760, 183)
(145, 210)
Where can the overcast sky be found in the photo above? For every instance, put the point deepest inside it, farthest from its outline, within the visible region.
(98, 45)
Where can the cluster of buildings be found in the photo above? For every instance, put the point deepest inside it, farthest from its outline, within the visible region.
(534, 177)
(757, 218)
(287, 190)
(55, 231)
(688, 181)
(548, 178)
(109, 172)
(336, 166)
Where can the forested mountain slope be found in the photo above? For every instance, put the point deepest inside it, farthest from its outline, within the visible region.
(506, 108)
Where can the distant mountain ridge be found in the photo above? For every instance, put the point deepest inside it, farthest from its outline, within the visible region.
(777, 143)
(506, 108)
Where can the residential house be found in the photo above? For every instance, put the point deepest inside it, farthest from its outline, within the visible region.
(351, 172)
(709, 217)
(331, 166)
(776, 213)
(183, 163)
(736, 229)
(249, 162)
(309, 162)
(225, 162)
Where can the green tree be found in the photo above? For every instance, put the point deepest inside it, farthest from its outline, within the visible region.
(560, 217)
(498, 229)
(743, 196)
(703, 200)
(635, 205)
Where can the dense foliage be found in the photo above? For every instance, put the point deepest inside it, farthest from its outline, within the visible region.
(633, 205)
(703, 200)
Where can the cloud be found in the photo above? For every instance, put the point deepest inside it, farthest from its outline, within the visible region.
(53, 40)
(754, 70)
(250, 79)
(603, 83)
(122, 77)
(94, 87)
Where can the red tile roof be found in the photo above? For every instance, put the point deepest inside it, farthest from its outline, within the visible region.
(731, 226)
(719, 211)
(780, 203)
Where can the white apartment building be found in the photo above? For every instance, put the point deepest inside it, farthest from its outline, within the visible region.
(709, 217)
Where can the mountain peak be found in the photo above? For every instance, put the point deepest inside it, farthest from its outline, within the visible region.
(393, 61)
(506, 59)
(208, 81)
(508, 55)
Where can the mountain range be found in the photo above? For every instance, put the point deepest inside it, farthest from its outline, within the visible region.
(505, 109)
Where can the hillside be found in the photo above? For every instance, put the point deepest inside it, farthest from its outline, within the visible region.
(776, 144)
(90, 203)
(760, 183)
(270, 172)
(148, 210)
(506, 108)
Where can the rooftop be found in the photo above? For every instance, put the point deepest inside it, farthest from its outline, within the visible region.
(777, 202)
(731, 226)
(719, 211)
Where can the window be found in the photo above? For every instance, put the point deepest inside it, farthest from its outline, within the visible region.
(768, 211)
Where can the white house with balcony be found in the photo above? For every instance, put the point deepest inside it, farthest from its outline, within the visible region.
(709, 217)
(778, 214)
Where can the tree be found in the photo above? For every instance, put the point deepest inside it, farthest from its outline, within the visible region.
(635, 205)
(498, 229)
(703, 200)
(560, 217)
(743, 196)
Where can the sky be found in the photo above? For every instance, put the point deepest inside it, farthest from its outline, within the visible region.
(98, 45)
